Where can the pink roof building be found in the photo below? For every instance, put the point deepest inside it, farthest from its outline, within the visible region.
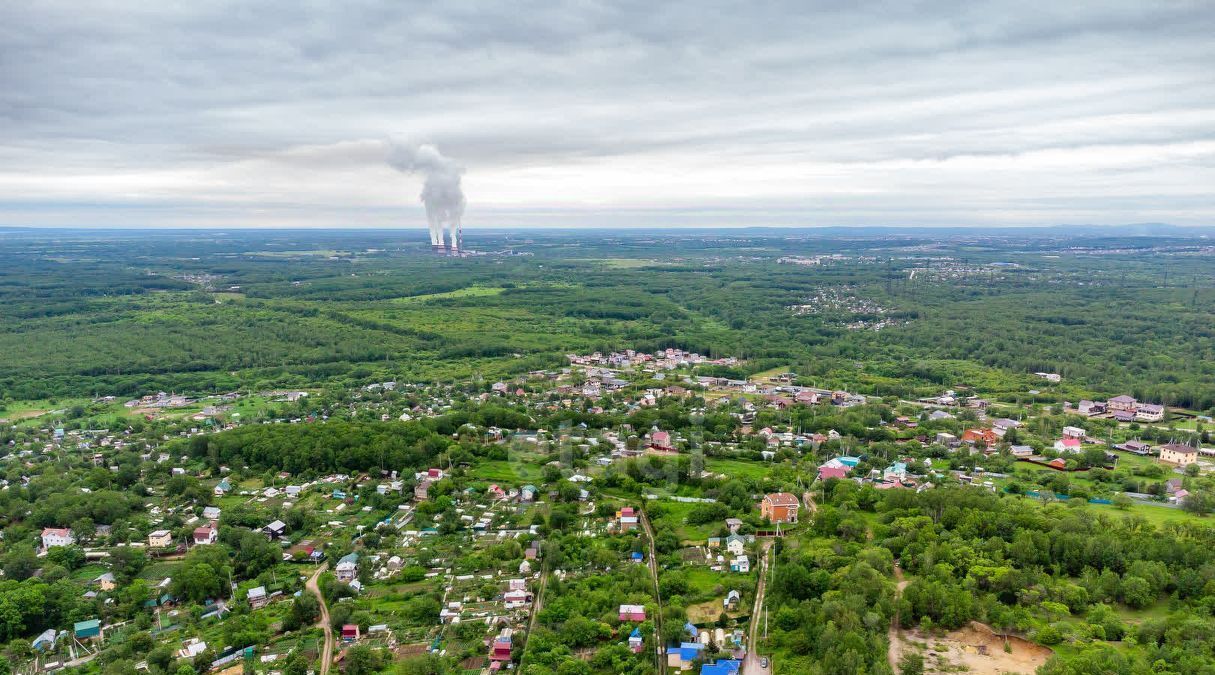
(500, 649)
(825, 472)
(632, 613)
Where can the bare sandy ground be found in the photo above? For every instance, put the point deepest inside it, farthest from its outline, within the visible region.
(972, 649)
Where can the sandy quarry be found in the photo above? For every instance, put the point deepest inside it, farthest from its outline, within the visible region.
(973, 649)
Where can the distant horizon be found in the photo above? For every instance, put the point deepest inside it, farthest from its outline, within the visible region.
(641, 229)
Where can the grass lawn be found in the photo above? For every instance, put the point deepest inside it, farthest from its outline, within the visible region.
(505, 471)
(771, 373)
(676, 513)
(470, 292)
(703, 581)
(155, 571)
(1157, 611)
(736, 467)
(704, 612)
(89, 572)
(1156, 515)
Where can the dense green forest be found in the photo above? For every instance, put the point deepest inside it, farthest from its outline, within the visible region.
(92, 314)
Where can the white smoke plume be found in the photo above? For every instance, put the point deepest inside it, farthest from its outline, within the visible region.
(441, 193)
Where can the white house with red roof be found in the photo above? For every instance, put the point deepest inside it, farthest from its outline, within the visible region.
(1068, 445)
(57, 536)
(207, 534)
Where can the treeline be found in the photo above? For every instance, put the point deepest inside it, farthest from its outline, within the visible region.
(319, 448)
(834, 607)
(1056, 574)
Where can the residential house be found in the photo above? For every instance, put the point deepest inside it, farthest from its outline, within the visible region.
(731, 601)
(105, 582)
(740, 564)
(350, 632)
(257, 597)
(45, 640)
(1021, 451)
(895, 472)
(1068, 445)
(733, 524)
(1090, 408)
(1124, 402)
(450, 613)
(685, 655)
(722, 667)
(222, 488)
(1073, 432)
(1003, 425)
(636, 642)
(207, 534)
(1176, 453)
(57, 536)
(514, 599)
(211, 512)
(347, 567)
(88, 630)
(421, 491)
(779, 507)
(632, 613)
(160, 539)
(500, 648)
(984, 436)
(275, 530)
(736, 544)
(1137, 447)
(661, 440)
(833, 469)
(1149, 412)
(429, 474)
(627, 519)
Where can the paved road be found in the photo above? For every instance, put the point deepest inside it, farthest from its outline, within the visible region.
(751, 666)
(649, 533)
(327, 650)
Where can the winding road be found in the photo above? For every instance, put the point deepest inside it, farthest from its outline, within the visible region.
(327, 650)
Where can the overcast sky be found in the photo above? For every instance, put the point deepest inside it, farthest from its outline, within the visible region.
(609, 114)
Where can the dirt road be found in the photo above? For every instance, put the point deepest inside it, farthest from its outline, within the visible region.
(537, 605)
(752, 664)
(327, 650)
(649, 533)
(894, 650)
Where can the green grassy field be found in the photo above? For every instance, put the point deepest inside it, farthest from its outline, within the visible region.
(737, 468)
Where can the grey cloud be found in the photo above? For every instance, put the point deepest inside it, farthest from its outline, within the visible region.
(187, 102)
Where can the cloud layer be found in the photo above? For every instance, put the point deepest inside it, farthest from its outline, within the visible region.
(591, 113)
